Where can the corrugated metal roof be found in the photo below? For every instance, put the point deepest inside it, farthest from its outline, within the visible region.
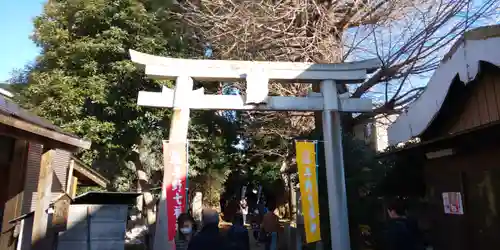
(10, 108)
(108, 198)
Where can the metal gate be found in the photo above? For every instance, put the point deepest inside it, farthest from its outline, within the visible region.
(94, 227)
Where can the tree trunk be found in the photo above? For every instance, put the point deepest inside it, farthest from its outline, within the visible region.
(148, 205)
(285, 176)
(145, 201)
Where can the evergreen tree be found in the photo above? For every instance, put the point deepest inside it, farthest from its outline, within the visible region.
(84, 82)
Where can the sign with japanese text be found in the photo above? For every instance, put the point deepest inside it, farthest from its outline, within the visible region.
(306, 164)
(175, 161)
(452, 203)
(60, 215)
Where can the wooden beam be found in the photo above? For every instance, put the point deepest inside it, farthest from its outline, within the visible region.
(70, 175)
(19, 134)
(74, 187)
(170, 68)
(234, 102)
(91, 175)
(31, 128)
(39, 238)
(15, 192)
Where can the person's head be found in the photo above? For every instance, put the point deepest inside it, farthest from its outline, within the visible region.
(396, 209)
(210, 217)
(271, 205)
(186, 224)
(238, 219)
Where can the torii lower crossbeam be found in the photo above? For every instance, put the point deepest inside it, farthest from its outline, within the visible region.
(198, 100)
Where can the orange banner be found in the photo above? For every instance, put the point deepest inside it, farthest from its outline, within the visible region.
(306, 164)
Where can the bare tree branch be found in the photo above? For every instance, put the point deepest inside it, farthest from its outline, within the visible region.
(408, 36)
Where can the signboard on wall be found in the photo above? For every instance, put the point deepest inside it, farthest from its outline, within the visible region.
(452, 203)
(60, 215)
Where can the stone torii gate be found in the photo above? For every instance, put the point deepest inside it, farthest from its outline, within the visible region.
(257, 76)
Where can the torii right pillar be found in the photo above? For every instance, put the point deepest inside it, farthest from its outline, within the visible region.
(334, 166)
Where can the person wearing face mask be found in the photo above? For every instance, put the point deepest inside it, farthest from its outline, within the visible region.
(186, 228)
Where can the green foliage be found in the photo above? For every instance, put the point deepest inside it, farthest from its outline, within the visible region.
(215, 157)
(84, 82)
(404, 177)
(82, 190)
(363, 173)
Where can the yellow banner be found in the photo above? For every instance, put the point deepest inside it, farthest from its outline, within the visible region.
(306, 164)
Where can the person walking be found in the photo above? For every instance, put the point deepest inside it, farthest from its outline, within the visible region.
(237, 235)
(244, 209)
(209, 237)
(402, 233)
(270, 228)
(186, 227)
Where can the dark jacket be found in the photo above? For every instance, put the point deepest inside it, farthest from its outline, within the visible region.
(208, 238)
(403, 234)
(238, 238)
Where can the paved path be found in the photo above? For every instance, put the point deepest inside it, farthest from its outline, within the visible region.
(253, 242)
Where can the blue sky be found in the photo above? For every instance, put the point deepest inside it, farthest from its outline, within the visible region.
(16, 26)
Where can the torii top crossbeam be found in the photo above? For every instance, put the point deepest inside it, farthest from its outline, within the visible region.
(257, 76)
(230, 70)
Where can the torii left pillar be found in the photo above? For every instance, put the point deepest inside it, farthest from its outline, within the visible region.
(178, 133)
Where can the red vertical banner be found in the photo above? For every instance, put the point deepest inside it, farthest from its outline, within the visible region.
(175, 163)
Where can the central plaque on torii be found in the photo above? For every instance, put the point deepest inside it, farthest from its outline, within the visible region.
(257, 76)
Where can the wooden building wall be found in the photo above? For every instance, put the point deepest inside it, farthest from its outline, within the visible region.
(19, 174)
(473, 170)
(14, 192)
(482, 106)
(60, 165)
(477, 177)
(6, 145)
(32, 175)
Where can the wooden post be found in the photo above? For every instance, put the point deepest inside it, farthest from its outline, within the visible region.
(69, 178)
(178, 133)
(15, 190)
(74, 187)
(39, 237)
